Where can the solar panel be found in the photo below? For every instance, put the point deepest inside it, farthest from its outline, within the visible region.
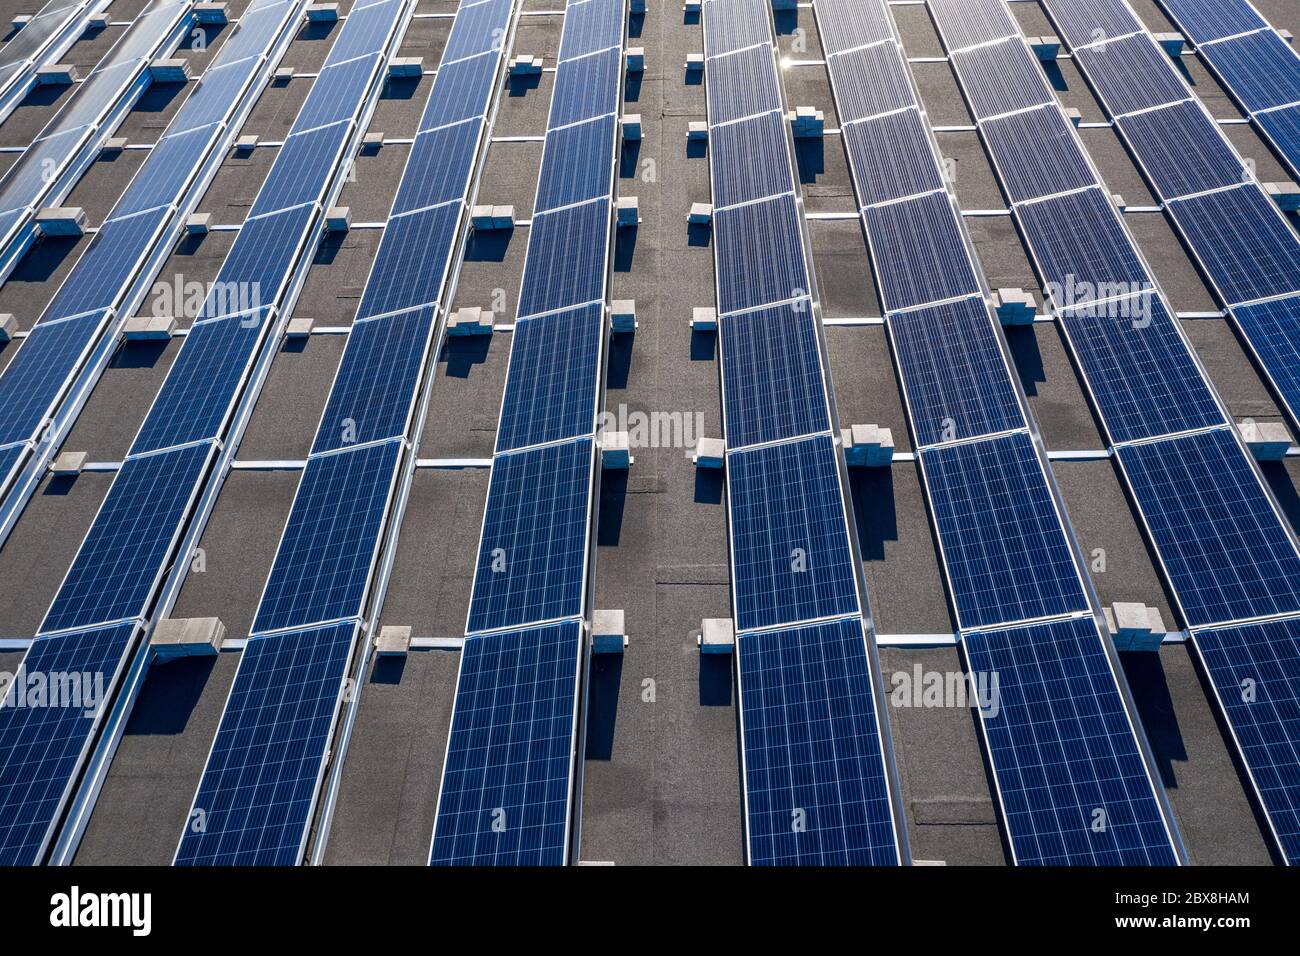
(1270, 328)
(255, 799)
(1037, 154)
(1131, 73)
(333, 96)
(10, 458)
(439, 166)
(1255, 670)
(968, 22)
(533, 551)
(1181, 151)
(566, 258)
(789, 540)
(919, 252)
(869, 81)
(508, 775)
(1222, 545)
(172, 163)
(749, 159)
(367, 30)
(1082, 251)
(585, 88)
(98, 279)
(735, 24)
(128, 546)
(892, 157)
(286, 186)
(846, 24)
(589, 26)
(479, 28)
(257, 24)
(1139, 370)
(259, 262)
(552, 387)
(1004, 549)
(953, 372)
(1073, 785)
(772, 375)
(1204, 20)
(51, 710)
(1259, 68)
(815, 780)
(35, 376)
(1282, 128)
(1003, 77)
(577, 164)
(741, 84)
(760, 257)
(412, 257)
(462, 91)
(1242, 241)
(375, 386)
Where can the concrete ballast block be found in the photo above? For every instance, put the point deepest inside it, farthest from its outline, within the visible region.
(145, 328)
(608, 634)
(402, 67)
(211, 13)
(704, 319)
(61, 221)
(393, 641)
(701, 213)
(1046, 48)
(1267, 441)
(697, 129)
(488, 218)
(1286, 195)
(1136, 627)
(114, 145)
(631, 124)
(806, 122)
(868, 446)
(246, 143)
(56, 74)
(283, 74)
(629, 212)
(299, 328)
(636, 59)
(338, 219)
(471, 320)
(615, 452)
(323, 12)
(1015, 306)
(622, 315)
(187, 637)
(372, 141)
(694, 61)
(20, 21)
(710, 453)
(717, 635)
(1171, 43)
(525, 64)
(8, 327)
(1073, 115)
(198, 223)
(69, 463)
(175, 70)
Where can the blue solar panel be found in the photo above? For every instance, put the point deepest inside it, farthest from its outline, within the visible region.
(585, 88)
(969, 22)
(439, 166)
(870, 81)
(590, 25)
(760, 254)
(1001, 78)
(1256, 672)
(1282, 127)
(412, 258)
(1271, 328)
(566, 258)
(789, 542)
(741, 84)
(127, 547)
(533, 552)
(551, 390)
(172, 162)
(258, 263)
(102, 275)
(1005, 552)
(1140, 371)
(366, 30)
(1037, 154)
(375, 386)
(1242, 241)
(919, 253)
(256, 26)
(1204, 20)
(749, 160)
(891, 157)
(953, 372)
(1259, 68)
(35, 376)
(815, 784)
(10, 458)
(218, 90)
(1073, 786)
(1223, 547)
(508, 777)
(478, 28)
(334, 95)
(1131, 73)
(1181, 151)
(460, 91)
(846, 24)
(322, 567)
(286, 186)
(1083, 253)
(577, 164)
(735, 24)
(772, 375)
(43, 738)
(256, 797)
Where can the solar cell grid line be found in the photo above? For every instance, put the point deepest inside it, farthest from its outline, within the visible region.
(786, 504)
(1063, 590)
(256, 796)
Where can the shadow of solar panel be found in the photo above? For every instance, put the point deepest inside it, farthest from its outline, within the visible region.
(585, 88)
(869, 81)
(1181, 151)
(1004, 549)
(577, 165)
(789, 542)
(1255, 670)
(1140, 372)
(533, 551)
(591, 26)
(954, 375)
(566, 258)
(1259, 68)
(772, 375)
(258, 790)
(815, 786)
(1073, 786)
(919, 252)
(1222, 545)
(891, 157)
(508, 776)
(35, 376)
(551, 389)
(846, 24)
(50, 712)
(413, 257)
(741, 84)
(1001, 78)
(127, 548)
(1037, 154)
(1081, 248)
(760, 254)
(322, 567)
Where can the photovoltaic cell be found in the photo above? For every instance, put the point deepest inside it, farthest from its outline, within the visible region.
(1002, 77)
(35, 376)
(461, 91)
(1181, 151)
(741, 84)
(366, 30)
(533, 551)
(1005, 552)
(286, 186)
(953, 372)
(101, 275)
(439, 166)
(1037, 154)
(477, 29)
(760, 254)
(735, 24)
(1131, 73)
(846, 24)
(551, 389)
(812, 745)
(1142, 375)
(256, 25)
(891, 157)
(1063, 750)
(42, 743)
(323, 564)
(258, 264)
(1266, 658)
(375, 386)
(412, 258)
(789, 543)
(259, 786)
(585, 88)
(566, 258)
(589, 26)
(869, 81)
(1244, 244)
(1283, 130)
(1271, 329)
(577, 164)
(919, 253)
(504, 799)
(1204, 20)
(968, 22)
(1259, 68)
(334, 95)
(171, 164)
(127, 546)
(749, 159)
(1223, 547)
